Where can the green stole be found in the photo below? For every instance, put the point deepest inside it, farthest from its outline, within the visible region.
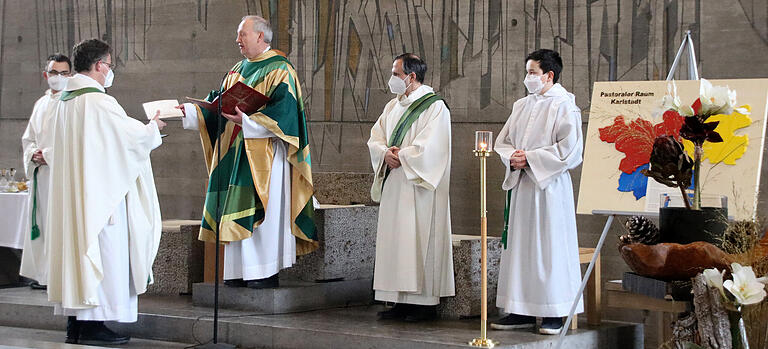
(35, 227)
(410, 116)
(506, 219)
(67, 95)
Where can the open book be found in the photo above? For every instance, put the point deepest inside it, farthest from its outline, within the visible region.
(167, 108)
(239, 95)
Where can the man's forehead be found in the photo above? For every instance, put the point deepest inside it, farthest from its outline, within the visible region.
(532, 64)
(397, 65)
(58, 66)
(243, 25)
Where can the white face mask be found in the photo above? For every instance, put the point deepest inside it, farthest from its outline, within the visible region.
(57, 82)
(109, 79)
(397, 85)
(533, 83)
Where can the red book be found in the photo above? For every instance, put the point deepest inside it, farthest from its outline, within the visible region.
(239, 95)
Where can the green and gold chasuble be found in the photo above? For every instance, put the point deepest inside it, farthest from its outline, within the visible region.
(240, 182)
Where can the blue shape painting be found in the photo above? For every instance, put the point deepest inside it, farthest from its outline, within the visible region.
(636, 182)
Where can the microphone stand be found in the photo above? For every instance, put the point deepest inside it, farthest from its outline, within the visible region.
(219, 130)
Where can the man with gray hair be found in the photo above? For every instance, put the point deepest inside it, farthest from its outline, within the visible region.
(260, 186)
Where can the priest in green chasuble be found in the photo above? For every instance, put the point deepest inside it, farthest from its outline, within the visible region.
(262, 186)
(410, 148)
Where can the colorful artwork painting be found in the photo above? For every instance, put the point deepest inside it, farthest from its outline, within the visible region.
(625, 119)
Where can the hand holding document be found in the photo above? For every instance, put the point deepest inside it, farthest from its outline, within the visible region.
(166, 107)
(239, 95)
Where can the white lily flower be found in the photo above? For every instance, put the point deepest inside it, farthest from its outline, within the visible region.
(763, 280)
(714, 99)
(745, 287)
(686, 110)
(714, 278)
(671, 101)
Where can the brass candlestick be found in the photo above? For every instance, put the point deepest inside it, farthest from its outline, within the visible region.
(483, 148)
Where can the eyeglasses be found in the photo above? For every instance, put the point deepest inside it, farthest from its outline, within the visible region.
(56, 72)
(110, 65)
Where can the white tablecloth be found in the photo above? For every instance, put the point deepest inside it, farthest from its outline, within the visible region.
(14, 216)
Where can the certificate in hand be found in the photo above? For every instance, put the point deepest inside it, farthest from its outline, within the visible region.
(239, 95)
(167, 108)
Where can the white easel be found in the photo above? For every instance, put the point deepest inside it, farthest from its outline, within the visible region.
(693, 74)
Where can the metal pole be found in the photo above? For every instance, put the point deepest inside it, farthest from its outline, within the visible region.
(483, 341)
(584, 281)
(483, 253)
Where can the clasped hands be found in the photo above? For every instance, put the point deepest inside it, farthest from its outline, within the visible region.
(37, 157)
(518, 160)
(392, 158)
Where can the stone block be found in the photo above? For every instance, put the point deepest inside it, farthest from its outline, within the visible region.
(10, 262)
(291, 296)
(179, 261)
(466, 268)
(347, 236)
(343, 188)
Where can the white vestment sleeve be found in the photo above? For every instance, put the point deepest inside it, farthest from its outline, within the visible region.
(505, 149)
(189, 121)
(424, 160)
(252, 129)
(48, 155)
(377, 143)
(547, 163)
(154, 139)
(29, 143)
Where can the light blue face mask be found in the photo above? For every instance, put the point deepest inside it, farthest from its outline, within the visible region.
(109, 79)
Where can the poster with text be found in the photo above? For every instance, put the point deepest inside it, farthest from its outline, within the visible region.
(626, 117)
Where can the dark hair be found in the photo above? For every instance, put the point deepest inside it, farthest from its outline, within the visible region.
(58, 57)
(549, 61)
(413, 64)
(88, 52)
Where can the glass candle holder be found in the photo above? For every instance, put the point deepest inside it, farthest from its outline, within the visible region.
(484, 141)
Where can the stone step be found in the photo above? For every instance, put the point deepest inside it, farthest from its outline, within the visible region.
(18, 338)
(176, 319)
(291, 296)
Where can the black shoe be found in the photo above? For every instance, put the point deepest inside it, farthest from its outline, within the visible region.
(419, 313)
(513, 321)
(399, 312)
(37, 286)
(270, 282)
(235, 283)
(96, 333)
(73, 330)
(551, 325)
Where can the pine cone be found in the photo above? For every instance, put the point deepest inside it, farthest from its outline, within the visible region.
(640, 230)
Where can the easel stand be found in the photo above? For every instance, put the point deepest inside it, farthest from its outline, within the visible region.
(585, 279)
(693, 74)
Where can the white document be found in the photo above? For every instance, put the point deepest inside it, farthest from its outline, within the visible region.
(167, 108)
(654, 192)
